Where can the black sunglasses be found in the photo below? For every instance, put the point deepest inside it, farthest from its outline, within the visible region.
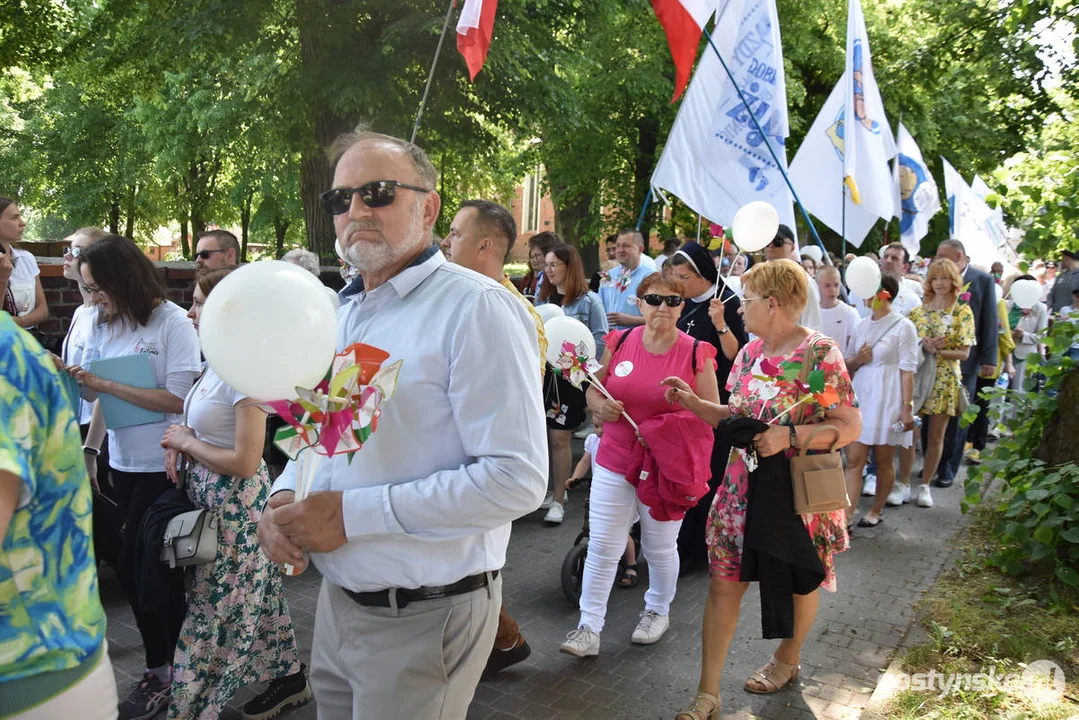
(205, 254)
(656, 300)
(779, 241)
(375, 194)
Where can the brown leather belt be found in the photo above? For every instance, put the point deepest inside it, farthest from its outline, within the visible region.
(404, 596)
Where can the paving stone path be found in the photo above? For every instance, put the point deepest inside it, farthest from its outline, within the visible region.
(858, 629)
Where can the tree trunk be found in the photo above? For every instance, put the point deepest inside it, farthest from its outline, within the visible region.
(114, 215)
(643, 166)
(245, 222)
(129, 231)
(280, 227)
(316, 175)
(1058, 444)
(185, 246)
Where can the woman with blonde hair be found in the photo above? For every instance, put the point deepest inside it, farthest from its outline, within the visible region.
(775, 296)
(945, 326)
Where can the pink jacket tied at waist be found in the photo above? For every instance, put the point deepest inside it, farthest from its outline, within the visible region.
(671, 474)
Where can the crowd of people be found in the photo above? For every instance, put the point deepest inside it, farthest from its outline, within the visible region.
(716, 368)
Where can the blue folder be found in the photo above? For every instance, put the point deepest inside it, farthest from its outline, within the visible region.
(133, 370)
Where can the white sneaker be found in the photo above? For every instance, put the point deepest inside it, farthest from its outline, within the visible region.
(555, 514)
(547, 500)
(900, 494)
(584, 432)
(925, 499)
(869, 487)
(582, 642)
(651, 628)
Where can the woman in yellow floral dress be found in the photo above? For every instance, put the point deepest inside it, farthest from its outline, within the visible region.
(946, 327)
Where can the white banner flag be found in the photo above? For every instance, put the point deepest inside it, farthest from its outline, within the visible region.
(817, 173)
(714, 160)
(971, 220)
(867, 138)
(916, 196)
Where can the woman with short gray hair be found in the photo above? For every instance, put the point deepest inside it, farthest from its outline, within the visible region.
(305, 259)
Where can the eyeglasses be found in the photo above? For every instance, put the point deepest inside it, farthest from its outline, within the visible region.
(375, 194)
(779, 241)
(72, 251)
(748, 300)
(656, 300)
(205, 254)
(91, 289)
(553, 266)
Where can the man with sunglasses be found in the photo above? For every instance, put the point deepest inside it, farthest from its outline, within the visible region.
(783, 247)
(413, 534)
(216, 249)
(620, 289)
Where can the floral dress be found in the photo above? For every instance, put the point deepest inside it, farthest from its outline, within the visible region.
(238, 630)
(765, 393)
(957, 324)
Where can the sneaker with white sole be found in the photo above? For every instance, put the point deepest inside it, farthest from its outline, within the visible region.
(547, 500)
(555, 514)
(584, 432)
(900, 494)
(869, 487)
(279, 695)
(148, 697)
(925, 498)
(651, 628)
(582, 642)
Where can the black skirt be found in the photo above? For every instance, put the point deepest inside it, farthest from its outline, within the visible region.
(565, 404)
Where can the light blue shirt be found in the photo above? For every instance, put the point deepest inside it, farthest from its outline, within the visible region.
(616, 297)
(589, 310)
(461, 447)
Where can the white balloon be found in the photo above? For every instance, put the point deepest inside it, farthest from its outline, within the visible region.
(334, 298)
(562, 329)
(755, 225)
(1000, 291)
(863, 277)
(812, 251)
(1026, 293)
(547, 311)
(267, 328)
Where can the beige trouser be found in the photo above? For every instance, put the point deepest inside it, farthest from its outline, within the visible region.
(370, 663)
(92, 698)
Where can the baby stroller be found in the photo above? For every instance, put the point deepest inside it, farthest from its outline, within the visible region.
(573, 564)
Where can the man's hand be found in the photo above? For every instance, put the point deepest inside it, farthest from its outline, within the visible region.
(988, 370)
(316, 523)
(274, 542)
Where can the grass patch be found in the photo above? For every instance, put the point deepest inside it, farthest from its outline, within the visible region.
(980, 621)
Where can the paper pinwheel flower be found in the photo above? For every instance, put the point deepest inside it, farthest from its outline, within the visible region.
(340, 413)
(622, 282)
(575, 364)
(964, 294)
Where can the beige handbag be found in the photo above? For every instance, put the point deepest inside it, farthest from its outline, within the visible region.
(819, 485)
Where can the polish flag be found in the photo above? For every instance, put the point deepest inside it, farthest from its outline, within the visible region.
(683, 21)
(474, 33)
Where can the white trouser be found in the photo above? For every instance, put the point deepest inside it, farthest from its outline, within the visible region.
(92, 698)
(612, 507)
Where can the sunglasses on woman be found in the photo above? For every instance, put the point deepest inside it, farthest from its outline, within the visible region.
(656, 300)
(72, 251)
(375, 194)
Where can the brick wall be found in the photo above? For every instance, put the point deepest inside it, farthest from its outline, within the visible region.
(63, 296)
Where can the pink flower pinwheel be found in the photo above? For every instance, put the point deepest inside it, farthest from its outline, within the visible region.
(575, 364)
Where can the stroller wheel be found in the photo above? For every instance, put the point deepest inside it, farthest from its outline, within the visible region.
(573, 571)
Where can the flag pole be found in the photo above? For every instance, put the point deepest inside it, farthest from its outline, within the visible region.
(431, 74)
(843, 226)
(767, 144)
(647, 202)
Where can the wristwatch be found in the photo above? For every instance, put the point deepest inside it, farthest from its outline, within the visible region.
(91, 451)
(794, 437)
(724, 330)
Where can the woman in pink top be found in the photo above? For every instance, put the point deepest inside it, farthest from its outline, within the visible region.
(634, 363)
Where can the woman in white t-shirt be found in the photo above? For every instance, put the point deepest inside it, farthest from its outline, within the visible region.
(135, 319)
(77, 340)
(21, 294)
(238, 629)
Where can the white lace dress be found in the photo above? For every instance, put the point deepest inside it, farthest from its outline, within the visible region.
(877, 386)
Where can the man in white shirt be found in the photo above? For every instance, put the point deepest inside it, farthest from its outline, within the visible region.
(410, 532)
(670, 247)
(895, 259)
(783, 247)
(619, 291)
(837, 317)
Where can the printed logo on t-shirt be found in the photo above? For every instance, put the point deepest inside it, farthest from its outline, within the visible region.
(146, 347)
(623, 368)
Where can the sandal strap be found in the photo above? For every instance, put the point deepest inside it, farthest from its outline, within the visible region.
(770, 674)
(703, 706)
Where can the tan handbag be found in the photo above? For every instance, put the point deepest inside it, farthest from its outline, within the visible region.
(819, 485)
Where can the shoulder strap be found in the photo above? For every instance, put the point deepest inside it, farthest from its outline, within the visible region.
(622, 339)
(693, 361)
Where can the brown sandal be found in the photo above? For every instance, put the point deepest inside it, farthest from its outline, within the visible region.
(773, 677)
(704, 707)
